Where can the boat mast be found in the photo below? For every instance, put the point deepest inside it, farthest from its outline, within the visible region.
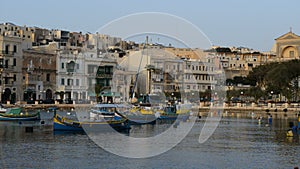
(138, 71)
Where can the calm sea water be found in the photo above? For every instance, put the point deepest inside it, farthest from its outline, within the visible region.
(237, 143)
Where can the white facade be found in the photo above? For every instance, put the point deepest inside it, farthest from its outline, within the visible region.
(161, 71)
(71, 77)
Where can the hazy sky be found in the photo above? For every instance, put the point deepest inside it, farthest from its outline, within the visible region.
(250, 23)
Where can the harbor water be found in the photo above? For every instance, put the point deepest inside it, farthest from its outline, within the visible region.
(236, 143)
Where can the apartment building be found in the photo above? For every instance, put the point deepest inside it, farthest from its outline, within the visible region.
(38, 75)
(11, 69)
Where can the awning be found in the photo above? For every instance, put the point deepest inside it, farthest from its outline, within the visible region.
(105, 93)
(28, 90)
(108, 93)
(91, 93)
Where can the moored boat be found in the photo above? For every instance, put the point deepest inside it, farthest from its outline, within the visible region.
(16, 114)
(174, 111)
(100, 118)
(2, 109)
(140, 115)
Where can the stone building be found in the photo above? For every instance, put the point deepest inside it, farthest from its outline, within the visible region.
(287, 47)
(10, 69)
(39, 75)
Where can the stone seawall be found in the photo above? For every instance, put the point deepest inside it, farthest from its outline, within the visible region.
(280, 113)
(276, 112)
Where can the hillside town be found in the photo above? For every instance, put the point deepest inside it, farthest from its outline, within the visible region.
(40, 65)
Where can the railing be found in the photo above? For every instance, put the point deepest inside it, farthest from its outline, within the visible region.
(7, 53)
(8, 67)
(104, 75)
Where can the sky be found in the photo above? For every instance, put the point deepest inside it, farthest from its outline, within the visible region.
(249, 23)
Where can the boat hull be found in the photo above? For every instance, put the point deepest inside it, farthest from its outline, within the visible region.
(141, 119)
(34, 118)
(59, 125)
(173, 117)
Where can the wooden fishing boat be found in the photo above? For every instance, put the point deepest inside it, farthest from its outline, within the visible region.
(173, 112)
(140, 115)
(2, 109)
(99, 118)
(16, 114)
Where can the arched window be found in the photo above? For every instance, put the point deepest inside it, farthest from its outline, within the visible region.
(71, 66)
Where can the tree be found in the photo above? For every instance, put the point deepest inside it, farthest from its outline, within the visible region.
(98, 90)
(256, 92)
(278, 77)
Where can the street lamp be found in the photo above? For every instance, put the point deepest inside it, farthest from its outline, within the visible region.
(172, 98)
(241, 97)
(272, 97)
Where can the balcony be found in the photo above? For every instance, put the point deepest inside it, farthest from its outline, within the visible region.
(5, 53)
(8, 68)
(10, 83)
(105, 76)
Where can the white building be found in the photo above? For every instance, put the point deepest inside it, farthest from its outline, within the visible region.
(71, 77)
(160, 71)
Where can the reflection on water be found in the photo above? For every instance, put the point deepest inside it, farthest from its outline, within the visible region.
(237, 143)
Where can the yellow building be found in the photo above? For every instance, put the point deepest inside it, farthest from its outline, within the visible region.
(287, 47)
(10, 69)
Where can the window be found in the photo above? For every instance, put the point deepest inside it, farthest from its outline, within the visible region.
(15, 77)
(15, 48)
(6, 63)
(188, 86)
(70, 82)
(71, 66)
(77, 65)
(62, 81)
(6, 49)
(77, 82)
(15, 62)
(292, 53)
(92, 69)
(48, 77)
(62, 65)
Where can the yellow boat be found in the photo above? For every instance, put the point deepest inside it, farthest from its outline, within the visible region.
(289, 133)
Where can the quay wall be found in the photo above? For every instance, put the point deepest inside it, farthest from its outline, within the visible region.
(281, 112)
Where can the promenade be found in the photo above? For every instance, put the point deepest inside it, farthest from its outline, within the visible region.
(281, 111)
